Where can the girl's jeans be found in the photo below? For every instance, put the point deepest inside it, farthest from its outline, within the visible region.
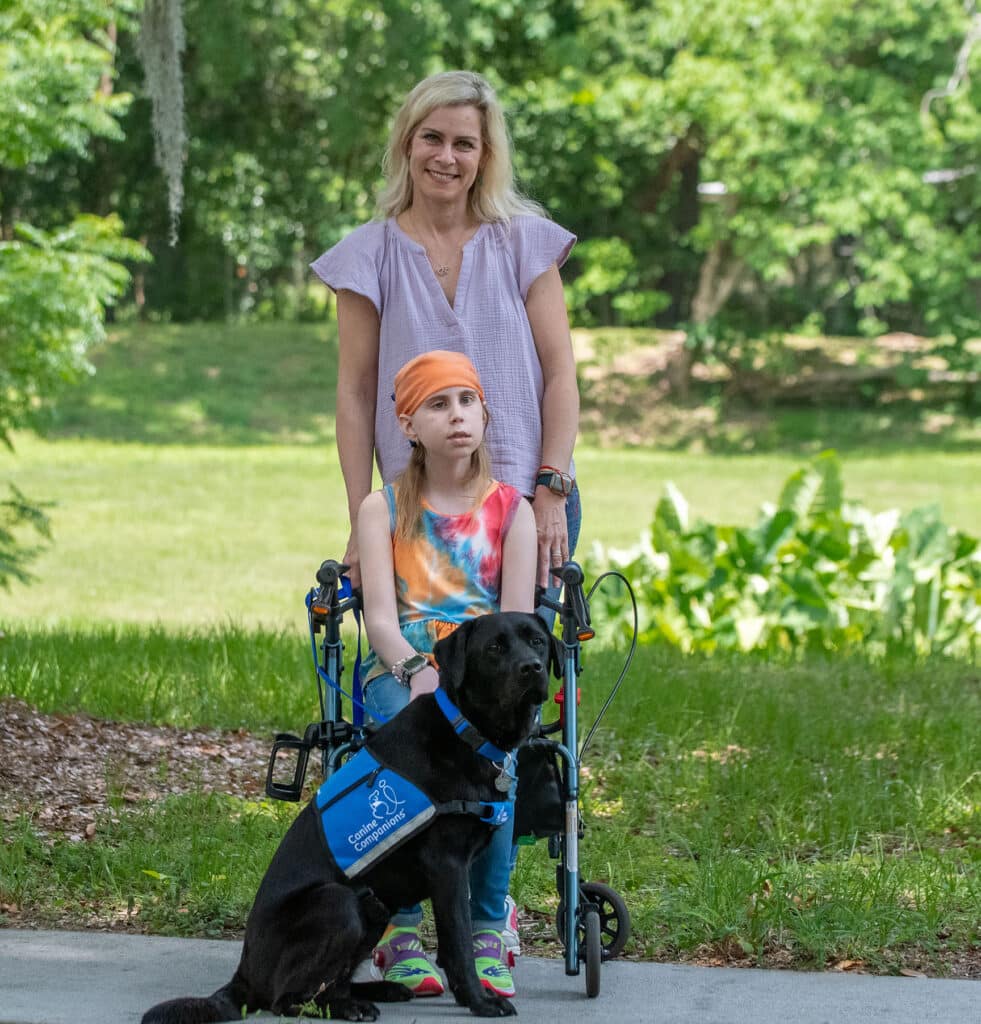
(490, 873)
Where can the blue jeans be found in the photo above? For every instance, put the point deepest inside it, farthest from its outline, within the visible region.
(490, 873)
(573, 518)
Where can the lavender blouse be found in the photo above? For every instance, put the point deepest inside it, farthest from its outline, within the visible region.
(487, 321)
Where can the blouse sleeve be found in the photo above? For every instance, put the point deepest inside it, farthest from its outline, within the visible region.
(536, 244)
(352, 264)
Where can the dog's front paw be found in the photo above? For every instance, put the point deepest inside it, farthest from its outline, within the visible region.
(352, 1009)
(493, 1006)
(381, 991)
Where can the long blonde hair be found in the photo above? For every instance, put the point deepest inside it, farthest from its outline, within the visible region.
(412, 481)
(493, 196)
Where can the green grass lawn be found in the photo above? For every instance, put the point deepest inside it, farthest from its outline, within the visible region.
(204, 534)
(195, 480)
(795, 811)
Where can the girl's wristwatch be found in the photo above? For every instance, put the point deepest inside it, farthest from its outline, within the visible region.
(405, 668)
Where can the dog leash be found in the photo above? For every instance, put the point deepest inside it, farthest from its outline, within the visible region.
(356, 696)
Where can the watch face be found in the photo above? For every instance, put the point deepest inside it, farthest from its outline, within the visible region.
(414, 664)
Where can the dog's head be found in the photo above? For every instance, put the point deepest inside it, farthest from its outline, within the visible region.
(495, 669)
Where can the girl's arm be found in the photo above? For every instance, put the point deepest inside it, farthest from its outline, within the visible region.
(560, 411)
(357, 379)
(381, 617)
(518, 566)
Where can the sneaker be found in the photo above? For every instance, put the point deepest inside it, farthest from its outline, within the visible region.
(490, 959)
(401, 959)
(509, 934)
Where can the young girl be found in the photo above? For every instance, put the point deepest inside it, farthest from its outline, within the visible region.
(441, 545)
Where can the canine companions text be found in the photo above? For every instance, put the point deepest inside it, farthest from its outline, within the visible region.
(316, 917)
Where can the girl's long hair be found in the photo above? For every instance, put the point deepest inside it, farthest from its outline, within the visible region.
(412, 480)
(494, 196)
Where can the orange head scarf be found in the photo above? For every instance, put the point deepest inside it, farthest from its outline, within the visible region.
(429, 373)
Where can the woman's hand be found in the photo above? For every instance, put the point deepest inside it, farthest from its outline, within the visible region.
(553, 533)
(352, 559)
(424, 681)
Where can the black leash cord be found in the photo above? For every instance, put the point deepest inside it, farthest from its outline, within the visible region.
(626, 664)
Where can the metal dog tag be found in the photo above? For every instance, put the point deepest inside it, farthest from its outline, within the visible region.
(503, 782)
(505, 779)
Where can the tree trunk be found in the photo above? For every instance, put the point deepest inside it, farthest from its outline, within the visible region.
(719, 275)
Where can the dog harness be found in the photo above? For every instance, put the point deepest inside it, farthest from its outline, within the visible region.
(368, 809)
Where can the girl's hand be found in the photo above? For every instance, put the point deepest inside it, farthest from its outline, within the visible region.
(422, 682)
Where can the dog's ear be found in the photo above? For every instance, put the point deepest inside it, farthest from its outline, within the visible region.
(451, 656)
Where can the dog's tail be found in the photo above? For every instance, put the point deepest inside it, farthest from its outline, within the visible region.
(195, 1010)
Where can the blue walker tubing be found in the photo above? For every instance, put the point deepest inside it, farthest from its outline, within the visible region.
(570, 852)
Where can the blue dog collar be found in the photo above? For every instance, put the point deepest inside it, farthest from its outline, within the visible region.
(467, 732)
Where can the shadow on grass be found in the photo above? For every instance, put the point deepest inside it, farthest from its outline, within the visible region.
(638, 412)
(236, 385)
(205, 384)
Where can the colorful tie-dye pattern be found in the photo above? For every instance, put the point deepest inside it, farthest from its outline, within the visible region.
(449, 571)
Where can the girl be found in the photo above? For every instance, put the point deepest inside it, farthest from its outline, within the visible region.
(443, 544)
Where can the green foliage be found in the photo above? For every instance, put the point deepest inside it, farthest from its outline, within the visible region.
(814, 573)
(18, 515)
(55, 59)
(54, 289)
(52, 56)
(56, 68)
(745, 166)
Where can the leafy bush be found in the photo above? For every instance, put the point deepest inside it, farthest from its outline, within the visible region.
(815, 573)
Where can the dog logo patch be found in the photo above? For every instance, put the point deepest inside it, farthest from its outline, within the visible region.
(366, 810)
(383, 801)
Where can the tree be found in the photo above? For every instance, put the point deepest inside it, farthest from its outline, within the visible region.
(56, 281)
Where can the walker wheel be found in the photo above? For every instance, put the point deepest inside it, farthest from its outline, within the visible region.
(614, 918)
(593, 949)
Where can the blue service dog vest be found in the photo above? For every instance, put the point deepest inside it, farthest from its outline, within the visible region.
(367, 810)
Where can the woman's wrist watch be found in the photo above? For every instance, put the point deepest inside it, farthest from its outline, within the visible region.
(405, 668)
(555, 480)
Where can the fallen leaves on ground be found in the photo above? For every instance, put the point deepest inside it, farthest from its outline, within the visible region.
(67, 770)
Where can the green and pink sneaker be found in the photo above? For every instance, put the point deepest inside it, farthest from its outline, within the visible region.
(401, 958)
(491, 959)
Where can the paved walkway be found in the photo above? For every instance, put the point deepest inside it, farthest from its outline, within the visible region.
(99, 978)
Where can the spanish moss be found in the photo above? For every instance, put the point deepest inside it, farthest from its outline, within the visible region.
(160, 46)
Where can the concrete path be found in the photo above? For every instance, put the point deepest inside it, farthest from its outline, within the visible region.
(99, 978)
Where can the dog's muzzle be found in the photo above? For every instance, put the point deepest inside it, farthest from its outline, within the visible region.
(534, 675)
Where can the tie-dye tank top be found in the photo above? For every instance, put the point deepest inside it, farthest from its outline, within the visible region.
(449, 570)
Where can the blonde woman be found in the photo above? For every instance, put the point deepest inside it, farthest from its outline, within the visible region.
(443, 544)
(458, 260)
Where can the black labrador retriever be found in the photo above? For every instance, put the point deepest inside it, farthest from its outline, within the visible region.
(312, 924)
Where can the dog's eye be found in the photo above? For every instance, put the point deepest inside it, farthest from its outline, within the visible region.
(537, 641)
(493, 647)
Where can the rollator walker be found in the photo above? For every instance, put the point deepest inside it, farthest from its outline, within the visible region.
(593, 922)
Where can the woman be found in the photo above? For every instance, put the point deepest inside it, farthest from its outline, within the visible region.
(461, 262)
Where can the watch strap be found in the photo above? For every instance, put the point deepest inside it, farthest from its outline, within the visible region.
(555, 480)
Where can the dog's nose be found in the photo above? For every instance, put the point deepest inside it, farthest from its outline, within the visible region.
(533, 672)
